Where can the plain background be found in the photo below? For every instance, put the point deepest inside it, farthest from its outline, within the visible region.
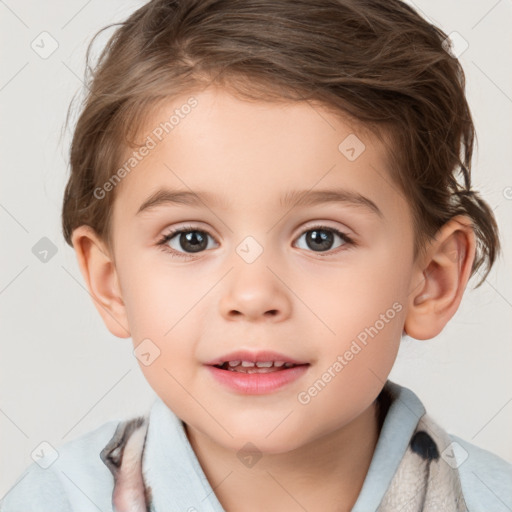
(63, 373)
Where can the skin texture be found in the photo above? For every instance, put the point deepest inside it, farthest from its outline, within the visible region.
(295, 298)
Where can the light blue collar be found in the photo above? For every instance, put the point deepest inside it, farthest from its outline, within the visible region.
(401, 420)
(178, 482)
(171, 468)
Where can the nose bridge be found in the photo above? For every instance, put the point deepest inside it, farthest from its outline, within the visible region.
(252, 287)
(254, 233)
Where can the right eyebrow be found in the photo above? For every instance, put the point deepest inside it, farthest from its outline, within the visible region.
(166, 196)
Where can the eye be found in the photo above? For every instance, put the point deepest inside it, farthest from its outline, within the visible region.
(321, 238)
(191, 239)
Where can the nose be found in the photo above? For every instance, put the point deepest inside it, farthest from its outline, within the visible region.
(255, 292)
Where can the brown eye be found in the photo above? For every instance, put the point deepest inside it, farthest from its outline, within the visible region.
(322, 238)
(192, 241)
(185, 241)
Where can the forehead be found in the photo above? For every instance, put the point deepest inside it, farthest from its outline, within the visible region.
(250, 154)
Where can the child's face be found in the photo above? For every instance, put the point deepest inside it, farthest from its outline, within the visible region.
(304, 296)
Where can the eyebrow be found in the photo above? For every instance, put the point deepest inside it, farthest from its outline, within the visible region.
(295, 198)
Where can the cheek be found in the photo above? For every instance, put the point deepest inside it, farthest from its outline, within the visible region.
(354, 297)
(162, 305)
(161, 312)
(364, 306)
(159, 299)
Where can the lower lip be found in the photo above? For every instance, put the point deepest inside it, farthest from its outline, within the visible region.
(257, 383)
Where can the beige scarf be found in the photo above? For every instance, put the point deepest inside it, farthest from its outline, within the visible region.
(424, 480)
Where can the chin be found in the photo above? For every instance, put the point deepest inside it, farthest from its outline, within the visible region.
(253, 440)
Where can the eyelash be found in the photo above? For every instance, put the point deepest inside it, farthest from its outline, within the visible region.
(186, 229)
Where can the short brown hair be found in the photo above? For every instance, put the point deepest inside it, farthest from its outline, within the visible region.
(377, 62)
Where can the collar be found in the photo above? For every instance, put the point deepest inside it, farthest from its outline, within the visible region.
(171, 468)
(178, 482)
(401, 420)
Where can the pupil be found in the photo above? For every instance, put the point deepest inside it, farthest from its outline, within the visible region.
(196, 243)
(322, 237)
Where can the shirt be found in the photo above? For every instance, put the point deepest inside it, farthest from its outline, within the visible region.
(79, 481)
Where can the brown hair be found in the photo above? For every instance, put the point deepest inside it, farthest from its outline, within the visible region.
(377, 62)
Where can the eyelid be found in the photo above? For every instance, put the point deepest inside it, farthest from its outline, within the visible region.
(326, 225)
(189, 226)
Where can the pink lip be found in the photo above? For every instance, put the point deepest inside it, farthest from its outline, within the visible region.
(255, 357)
(258, 383)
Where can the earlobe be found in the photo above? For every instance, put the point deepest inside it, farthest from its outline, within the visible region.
(441, 279)
(100, 275)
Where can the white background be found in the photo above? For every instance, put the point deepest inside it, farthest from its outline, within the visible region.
(63, 373)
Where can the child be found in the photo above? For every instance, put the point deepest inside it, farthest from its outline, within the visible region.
(265, 129)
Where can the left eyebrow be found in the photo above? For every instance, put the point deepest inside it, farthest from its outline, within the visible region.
(314, 197)
(295, 198)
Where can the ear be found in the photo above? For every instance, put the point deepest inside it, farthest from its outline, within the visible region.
(442, 275)
(98, 269)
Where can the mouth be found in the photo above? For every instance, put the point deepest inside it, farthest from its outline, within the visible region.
(256, 367)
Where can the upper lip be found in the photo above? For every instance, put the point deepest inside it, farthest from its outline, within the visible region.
(255, 357)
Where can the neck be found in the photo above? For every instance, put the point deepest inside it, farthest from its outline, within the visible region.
(325, 474)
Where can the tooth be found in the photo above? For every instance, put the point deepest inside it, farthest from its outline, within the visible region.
(234, 363)
(278, 363)
(247, 363)
(264, 364)
(288, 365)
